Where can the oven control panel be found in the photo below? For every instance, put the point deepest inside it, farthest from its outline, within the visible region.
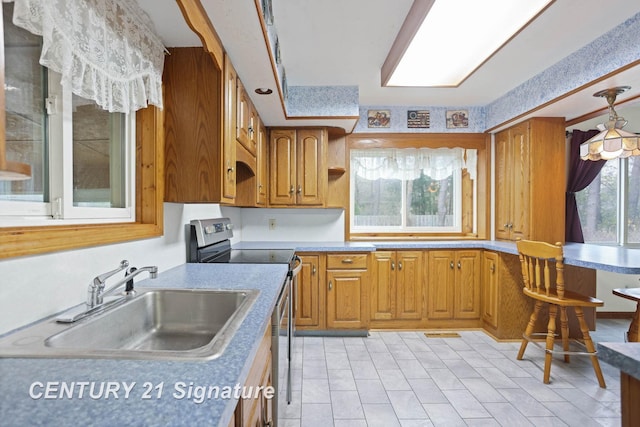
(210, 231)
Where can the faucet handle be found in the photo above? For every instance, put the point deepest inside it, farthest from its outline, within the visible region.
(100, 279)
(129, 286)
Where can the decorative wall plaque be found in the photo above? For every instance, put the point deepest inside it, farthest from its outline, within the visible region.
(418, 119)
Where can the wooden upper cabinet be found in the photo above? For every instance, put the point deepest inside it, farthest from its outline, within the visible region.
(262, 157)
(245, 120)
(282, 167)
(230, 124)
(298, 171)
(199, 163)
(531, 181)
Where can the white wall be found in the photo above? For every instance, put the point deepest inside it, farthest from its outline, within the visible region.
(606, 282)
(33, 287)
(309, 225)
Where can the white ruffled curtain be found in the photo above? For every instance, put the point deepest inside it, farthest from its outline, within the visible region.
(409, 163)
(105, 50)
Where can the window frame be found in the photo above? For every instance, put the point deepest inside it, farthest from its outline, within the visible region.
(622, 207)
(21, 241)
(60, 208)
(478, 141)
(403, 228)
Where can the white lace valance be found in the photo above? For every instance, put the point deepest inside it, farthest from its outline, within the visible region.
(410, 163)
(105, 50)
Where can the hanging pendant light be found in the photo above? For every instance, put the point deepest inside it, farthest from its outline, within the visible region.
(612, 142)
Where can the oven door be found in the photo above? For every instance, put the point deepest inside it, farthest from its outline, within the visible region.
(280, 347)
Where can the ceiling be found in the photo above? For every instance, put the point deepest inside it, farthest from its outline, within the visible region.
(345, 42)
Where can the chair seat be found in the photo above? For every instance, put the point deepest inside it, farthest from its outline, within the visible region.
(571, 299)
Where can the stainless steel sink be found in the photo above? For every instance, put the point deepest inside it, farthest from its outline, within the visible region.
(160, 324)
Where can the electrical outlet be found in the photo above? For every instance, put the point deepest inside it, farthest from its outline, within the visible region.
(272, 224)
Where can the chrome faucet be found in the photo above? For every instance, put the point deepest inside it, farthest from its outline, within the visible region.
(96, 288)
(96, 292)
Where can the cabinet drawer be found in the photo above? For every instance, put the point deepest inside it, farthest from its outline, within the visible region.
(346, 261)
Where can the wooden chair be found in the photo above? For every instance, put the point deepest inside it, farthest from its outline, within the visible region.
(543, 274)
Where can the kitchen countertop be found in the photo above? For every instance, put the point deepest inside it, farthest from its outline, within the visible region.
(172, 406)
(608, 258)
(622, 355)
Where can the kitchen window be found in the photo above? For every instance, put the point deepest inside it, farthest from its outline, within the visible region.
(30, 228)
(412, 190)
(82, 157)
(609, 207)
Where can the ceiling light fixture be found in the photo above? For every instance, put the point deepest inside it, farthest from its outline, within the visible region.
(442, 42)
(263, 91)
(612, 142)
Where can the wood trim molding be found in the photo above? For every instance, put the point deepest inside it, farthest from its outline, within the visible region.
(21, 241)
(198, 20)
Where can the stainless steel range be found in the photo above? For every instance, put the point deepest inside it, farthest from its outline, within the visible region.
(209, 242)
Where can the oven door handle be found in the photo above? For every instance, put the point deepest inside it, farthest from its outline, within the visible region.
(298, 267)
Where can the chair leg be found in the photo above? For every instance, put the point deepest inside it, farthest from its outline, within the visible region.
(564, 326)
(529, 330)
(551, 336)
(590, 347)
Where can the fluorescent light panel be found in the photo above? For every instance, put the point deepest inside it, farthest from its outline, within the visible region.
(454, 39)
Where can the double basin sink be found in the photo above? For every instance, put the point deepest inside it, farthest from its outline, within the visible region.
(156, 324)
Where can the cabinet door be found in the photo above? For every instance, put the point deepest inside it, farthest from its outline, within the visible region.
(503, 185)
(228, 144)
(262, 158)
(383, 289)
(308, 292)
(244, 117)
(282, 165)
(441, 285)
(344, 299)
(409, 285)
(467, 285)
(519, 136)
(311, 177)
(490, 282)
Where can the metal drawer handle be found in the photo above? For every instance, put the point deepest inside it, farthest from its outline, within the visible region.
(400, 265)
(459, 265)
(492, 268)
(347, 261)
(292, 190)
(313, 269)
(330, 285)
(451, 264)
(393, 266)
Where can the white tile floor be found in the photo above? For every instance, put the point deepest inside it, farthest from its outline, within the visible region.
(406, 379)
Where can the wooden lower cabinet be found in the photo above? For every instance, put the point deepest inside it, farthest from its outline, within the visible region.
(257, 410)
(397, 288)
(307, 298)
(333, 291)
(490, 289)
(347, 290)
(454, 286)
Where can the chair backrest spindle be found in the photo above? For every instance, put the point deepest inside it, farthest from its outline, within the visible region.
(538, 267)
